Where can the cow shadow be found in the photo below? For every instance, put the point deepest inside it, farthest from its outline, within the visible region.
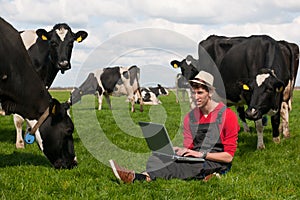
(19, 158)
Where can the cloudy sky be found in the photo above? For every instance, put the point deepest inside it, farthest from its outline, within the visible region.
(150, 33)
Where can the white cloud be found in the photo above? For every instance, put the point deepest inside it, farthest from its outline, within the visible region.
(105, 20)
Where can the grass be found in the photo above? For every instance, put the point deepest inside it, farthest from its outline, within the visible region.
(101, 135)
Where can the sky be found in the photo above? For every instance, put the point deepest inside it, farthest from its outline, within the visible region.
(150, 34)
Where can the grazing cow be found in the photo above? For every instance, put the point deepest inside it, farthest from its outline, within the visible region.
(50, 52)
(150, 95)
(22, 92)
(183, 86)
(257, 82)
(115, 81)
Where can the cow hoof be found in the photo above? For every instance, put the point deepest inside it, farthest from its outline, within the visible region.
(261, 147)
(276, 140)
(286, 135)
(20, 145)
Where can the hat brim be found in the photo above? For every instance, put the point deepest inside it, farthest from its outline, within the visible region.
(201, 83)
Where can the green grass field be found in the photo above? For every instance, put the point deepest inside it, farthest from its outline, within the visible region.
(272, 173)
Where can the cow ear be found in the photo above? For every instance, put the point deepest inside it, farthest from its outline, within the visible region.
(43, 34)
(80, 36)
(54, 107)
(175, 64)
(246, 87)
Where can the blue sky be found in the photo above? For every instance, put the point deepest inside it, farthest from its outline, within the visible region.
(150, 33)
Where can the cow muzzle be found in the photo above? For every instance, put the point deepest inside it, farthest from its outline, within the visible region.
(64, 65)
(61, 164)
(253, 114)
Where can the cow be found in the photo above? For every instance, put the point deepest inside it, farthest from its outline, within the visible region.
(291, 55)
(257, 82)
(150, 94)
(108, 81)
(50, 52)
(217, 47)
(23, 92)
(183, 86)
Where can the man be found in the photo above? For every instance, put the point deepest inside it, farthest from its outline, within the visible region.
(210, 132)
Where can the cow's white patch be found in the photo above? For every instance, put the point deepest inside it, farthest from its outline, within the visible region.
(260, 79)
(188, 62)
(29, 38)
(272, 112)
(61, 33)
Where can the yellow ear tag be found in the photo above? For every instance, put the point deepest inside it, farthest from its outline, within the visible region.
(175, 66)
(245, 87)
(53, 109)
(44, 37)
(280, 89)
(79, 39)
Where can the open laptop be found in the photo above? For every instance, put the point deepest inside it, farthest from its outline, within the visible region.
(159, 142)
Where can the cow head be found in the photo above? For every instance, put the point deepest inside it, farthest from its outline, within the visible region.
(89, 86)
(266, 94)
(56, 133)
(188, 70)
(162, 90)
(60, 41)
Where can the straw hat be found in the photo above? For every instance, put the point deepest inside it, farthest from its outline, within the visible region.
(203, 78)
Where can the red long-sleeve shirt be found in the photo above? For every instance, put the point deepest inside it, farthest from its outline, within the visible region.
(228, 130)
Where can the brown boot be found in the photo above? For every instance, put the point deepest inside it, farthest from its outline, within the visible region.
(127, 176)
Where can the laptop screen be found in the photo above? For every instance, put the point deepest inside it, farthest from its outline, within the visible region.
(157, 138)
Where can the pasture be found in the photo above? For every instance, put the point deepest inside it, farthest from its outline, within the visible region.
(272, 173)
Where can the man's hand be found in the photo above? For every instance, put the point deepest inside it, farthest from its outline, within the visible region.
(187, 152)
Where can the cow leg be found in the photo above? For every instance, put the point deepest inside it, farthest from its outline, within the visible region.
(108, 101)
(139, 96)
(284, 126)
(183, 92)
(275, 120)
(260, 136)
(177, 93)
(191, 99)
(241, 112)
(18, 121)
(100, 97)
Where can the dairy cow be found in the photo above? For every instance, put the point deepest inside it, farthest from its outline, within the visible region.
(50, 52)
(182, 86)
(115, 81)
(257, 82)
(22, 92)
(218, 46)
(150, 94)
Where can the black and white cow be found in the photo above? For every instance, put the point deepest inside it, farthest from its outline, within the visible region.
(50, 53)
(115, 81)
(291, 55)
(22, 92)
(150, 94)
(182, 86)
(257, 82)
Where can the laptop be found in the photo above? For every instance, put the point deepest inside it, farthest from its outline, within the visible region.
(159, 142)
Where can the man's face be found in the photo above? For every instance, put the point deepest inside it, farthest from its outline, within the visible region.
(201, 96)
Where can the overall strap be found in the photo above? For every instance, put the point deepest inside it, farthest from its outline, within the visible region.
(219, 117)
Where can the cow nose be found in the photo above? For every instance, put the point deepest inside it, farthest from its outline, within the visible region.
(252, 114)
(64, 64)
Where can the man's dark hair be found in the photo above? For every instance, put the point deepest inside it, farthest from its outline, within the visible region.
(198, 85)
